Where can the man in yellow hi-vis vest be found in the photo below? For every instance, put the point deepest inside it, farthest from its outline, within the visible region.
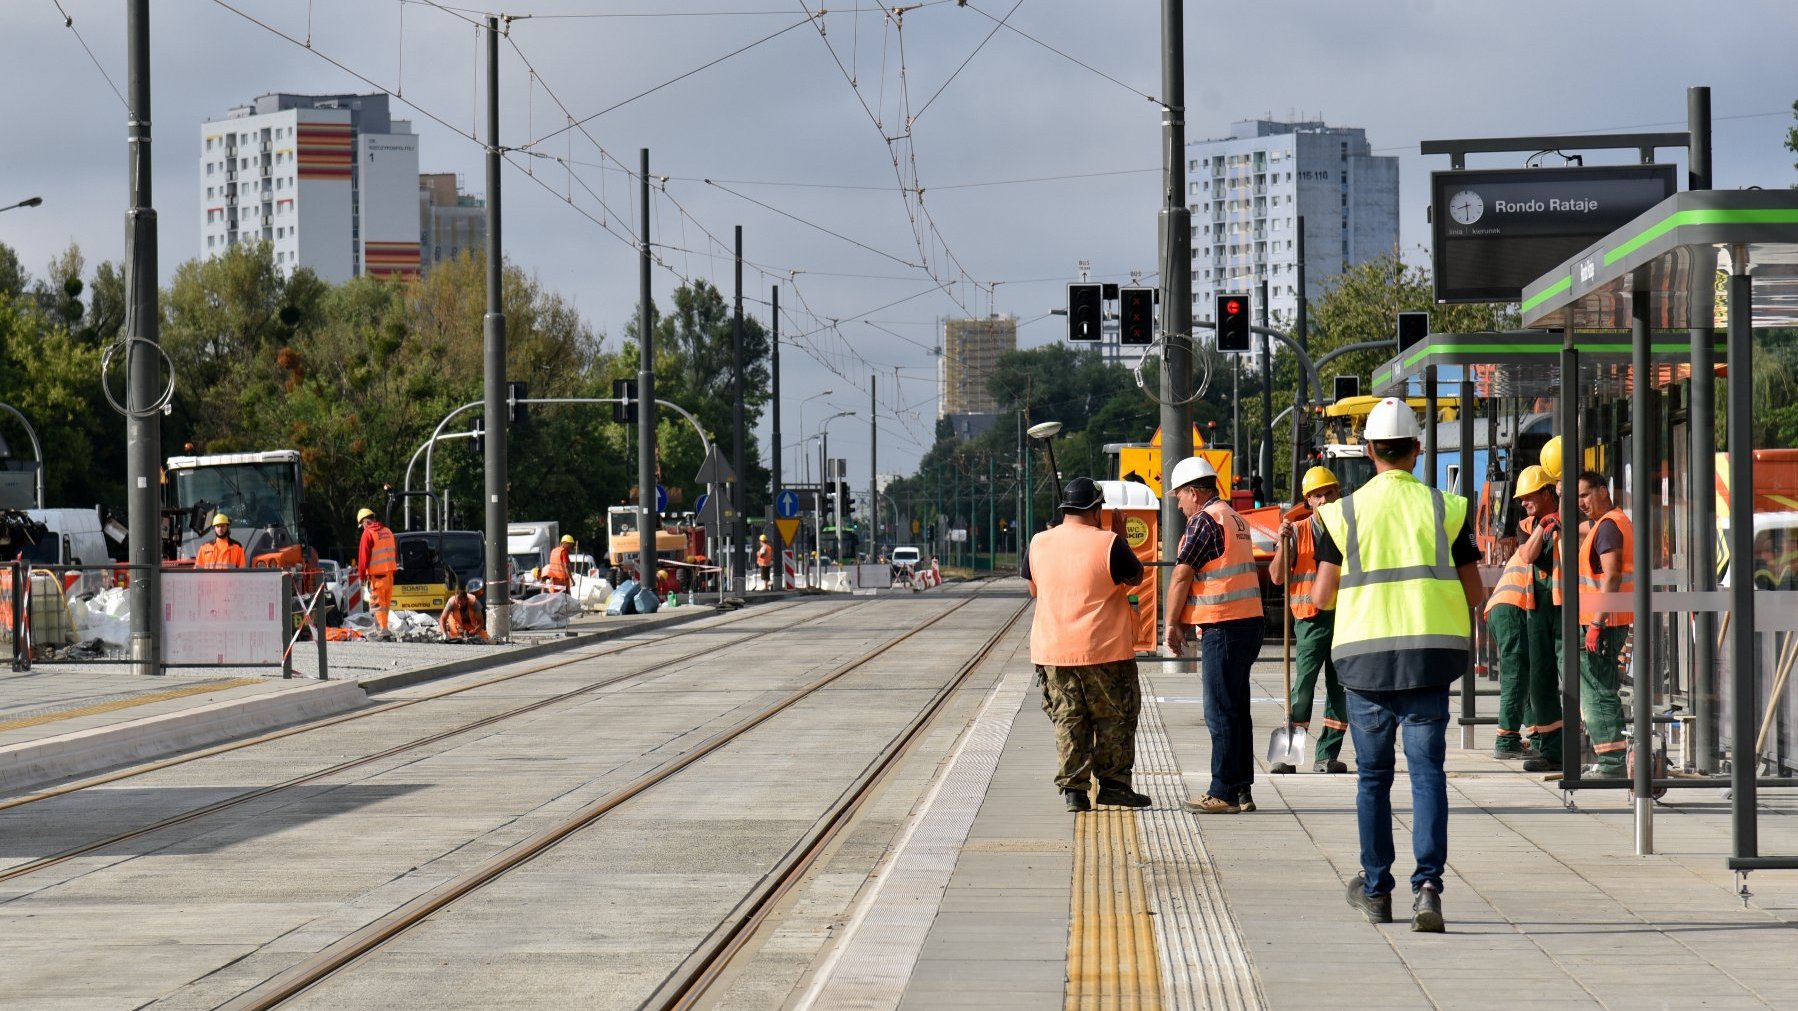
(1397, 560)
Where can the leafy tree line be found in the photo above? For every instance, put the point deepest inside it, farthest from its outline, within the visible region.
(356, 377)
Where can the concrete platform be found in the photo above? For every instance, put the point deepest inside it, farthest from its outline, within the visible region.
(61, 720)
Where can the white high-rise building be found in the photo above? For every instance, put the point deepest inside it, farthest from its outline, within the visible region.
(1247, 191)
(331, 181)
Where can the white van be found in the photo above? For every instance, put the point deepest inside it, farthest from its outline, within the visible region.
(75, 538)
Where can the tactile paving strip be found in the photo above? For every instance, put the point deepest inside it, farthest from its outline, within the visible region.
(1204, 962)
(113, 703)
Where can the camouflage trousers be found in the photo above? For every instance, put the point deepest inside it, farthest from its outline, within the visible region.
(1094, 708)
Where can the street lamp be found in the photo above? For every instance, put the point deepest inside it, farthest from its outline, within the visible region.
(824, 475)
(802, 403)
(27, 202)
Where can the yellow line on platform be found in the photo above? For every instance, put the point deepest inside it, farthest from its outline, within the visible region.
(1112, 962)
(135, 700)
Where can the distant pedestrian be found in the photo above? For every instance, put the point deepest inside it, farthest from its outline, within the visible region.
(221, 552)
(558, 574)
(377, 559)
(764, 560)
(1083, 643)
(1216, 589)
(1606, 565)
(1312, 626)
(1397, 561)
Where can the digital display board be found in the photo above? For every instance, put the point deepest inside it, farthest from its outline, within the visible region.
(1493, 231)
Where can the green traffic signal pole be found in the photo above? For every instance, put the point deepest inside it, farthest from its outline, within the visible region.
(992, 517)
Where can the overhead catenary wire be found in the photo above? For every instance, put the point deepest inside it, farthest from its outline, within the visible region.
(68, 22)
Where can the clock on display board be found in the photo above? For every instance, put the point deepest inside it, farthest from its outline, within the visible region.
(1466, 207)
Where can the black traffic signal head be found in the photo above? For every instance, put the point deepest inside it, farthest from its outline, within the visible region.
(624, 389)
(1412, 327)
(1232, 322)
(1136, 316)
(1085, 312)
(516, 394)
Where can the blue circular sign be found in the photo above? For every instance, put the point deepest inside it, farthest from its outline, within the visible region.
(786, 504)
(661, 499)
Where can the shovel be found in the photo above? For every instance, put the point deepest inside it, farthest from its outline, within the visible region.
(1287, 744)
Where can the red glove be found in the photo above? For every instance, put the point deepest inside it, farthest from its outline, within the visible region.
(1592, 634)
(1551, 523)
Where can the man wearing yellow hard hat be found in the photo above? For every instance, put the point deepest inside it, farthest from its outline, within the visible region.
(377, 559)
(1523, 614)
(1312, 626)
(221, 552)
(558, 573)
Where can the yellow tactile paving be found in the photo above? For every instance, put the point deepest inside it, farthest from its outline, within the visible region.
(1112, 962)
(113, 705)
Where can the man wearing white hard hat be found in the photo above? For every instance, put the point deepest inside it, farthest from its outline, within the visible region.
(1397, 560)
(1216, 589)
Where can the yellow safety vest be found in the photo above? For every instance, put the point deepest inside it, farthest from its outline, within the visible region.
(1399, 590)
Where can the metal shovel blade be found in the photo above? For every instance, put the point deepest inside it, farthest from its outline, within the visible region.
(1287, 745)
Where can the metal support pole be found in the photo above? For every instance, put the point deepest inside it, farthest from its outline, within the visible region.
(1642, 659)
(1572, 457)
(740, 557)
(1744, 761)
(648, 521)
(1430, 437)
(37, 450)
(1701, 420)
(774, 485)
(143, 363)
(1264, 458)
(1467, 487)
(1176, 276)
(493, 344)
(1029, 499)
(992, 517)
(873, 482)
(1300, 324)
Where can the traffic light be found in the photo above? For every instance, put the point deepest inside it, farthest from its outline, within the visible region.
(1085, 311)
(1136, 314)
(477, 437)
(1412, 327)
(625, 389)
(1232, 322)
(516, 394)
(1347, 386)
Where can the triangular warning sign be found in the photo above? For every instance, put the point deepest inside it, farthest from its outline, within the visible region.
(714, 470)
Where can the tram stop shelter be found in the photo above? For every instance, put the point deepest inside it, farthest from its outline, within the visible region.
(1673, 294)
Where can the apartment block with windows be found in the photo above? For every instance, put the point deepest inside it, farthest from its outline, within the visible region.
(970, 358)
(1247, 192)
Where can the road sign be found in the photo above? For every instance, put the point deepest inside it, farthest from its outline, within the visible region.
(717, 512)
(699, 503)
(714, 470)
(786, 504)
(661, 499)
(788, 528)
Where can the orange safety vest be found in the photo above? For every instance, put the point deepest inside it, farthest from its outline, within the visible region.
(1517, 585)
(384, 555)
(1589, 576)
(1230, 584)
(1301, 568)
(764, 555)
(217, 554)
(463, 617)
(1082, 617)
(557, 572)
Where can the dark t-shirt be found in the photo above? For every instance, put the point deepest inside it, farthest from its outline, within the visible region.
(1607, 538)
(1125, 566)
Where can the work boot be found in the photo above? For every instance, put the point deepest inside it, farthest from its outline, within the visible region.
(1331, 766)
(1511, 753)
(1377, 908)
(1541, 765)
(1281, 769)
(1245, 802)
(1426, 911)
(1077, 800)
(1122, 796)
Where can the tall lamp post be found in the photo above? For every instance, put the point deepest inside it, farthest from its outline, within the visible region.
(27, 202)
(824, 475)
(802, 403)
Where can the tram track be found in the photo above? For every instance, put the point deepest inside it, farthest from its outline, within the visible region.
(237, 800)
(723, 941)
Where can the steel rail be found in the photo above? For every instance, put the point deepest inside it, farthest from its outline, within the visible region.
(353, 946)
(20, 870)
(331, 721)
(689, 983)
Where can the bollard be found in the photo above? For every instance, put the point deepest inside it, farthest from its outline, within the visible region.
(319, 633)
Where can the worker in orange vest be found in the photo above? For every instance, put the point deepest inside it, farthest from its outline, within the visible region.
(1518, 613)
(377, 559)
(1606, 565)
(1215, 589)
(221, 552)
(557, 573)
(463, 616)
(1312, 627)
(764, 559)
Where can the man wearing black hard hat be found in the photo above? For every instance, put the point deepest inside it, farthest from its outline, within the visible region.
(1083, 642)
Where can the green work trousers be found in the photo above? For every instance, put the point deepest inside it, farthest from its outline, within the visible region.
(1598, 680)
(1510, 626)
(1312, 637)
(1544, 717)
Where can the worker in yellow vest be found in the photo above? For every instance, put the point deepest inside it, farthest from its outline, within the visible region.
(1216, 589)
(221, 552)
(1528, 690)
(1397, 561)
(1312, 626)
(1606, 565)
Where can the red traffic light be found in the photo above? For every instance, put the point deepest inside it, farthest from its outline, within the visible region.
(1233, 306)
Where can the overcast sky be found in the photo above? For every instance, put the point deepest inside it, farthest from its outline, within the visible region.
(1030, 159)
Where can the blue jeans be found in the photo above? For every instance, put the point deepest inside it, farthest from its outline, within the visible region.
(1227, 650)
(1375, 721)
